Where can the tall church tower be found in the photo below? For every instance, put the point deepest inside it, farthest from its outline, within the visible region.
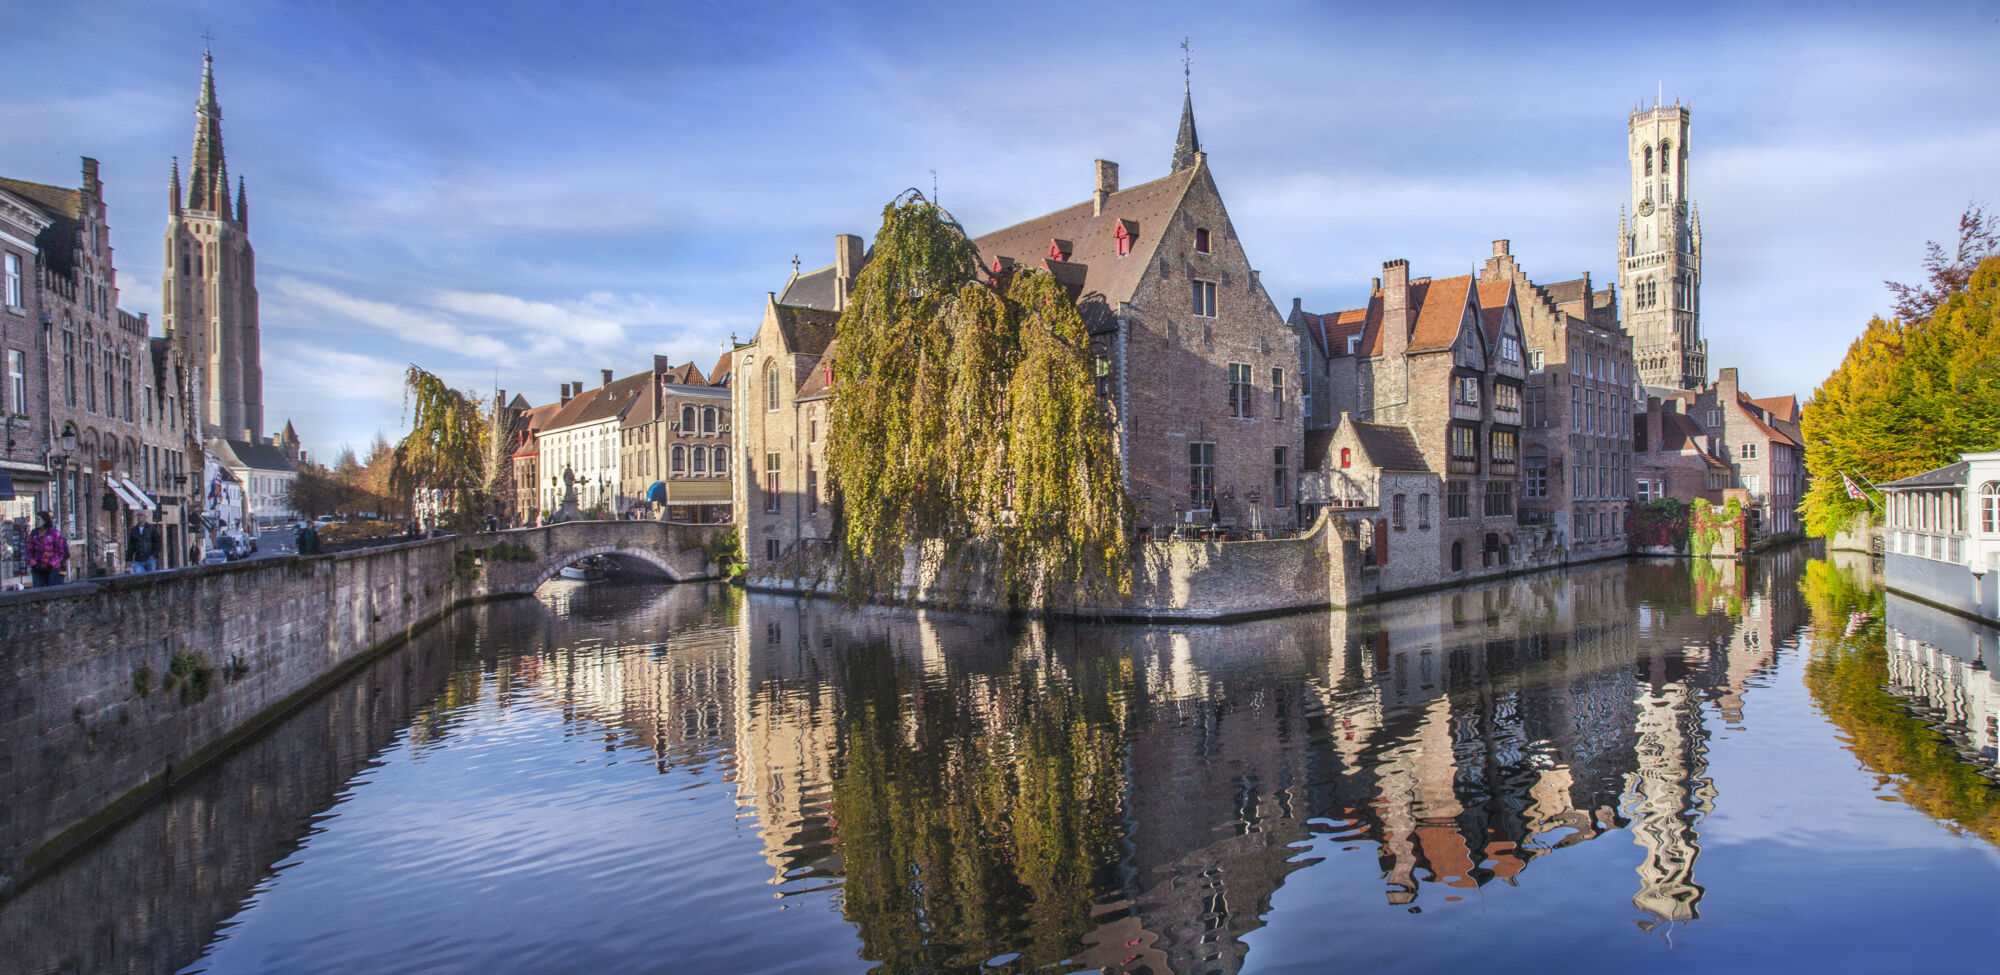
(209, 292)
(1659, 253)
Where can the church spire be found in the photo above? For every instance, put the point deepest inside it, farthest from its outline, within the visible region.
(1188, 145)
(174, 190)
(242, 208)
(207, 185)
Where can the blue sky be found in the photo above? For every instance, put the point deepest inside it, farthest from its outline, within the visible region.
(538, 191)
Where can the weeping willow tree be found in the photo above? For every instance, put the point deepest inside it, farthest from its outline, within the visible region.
(445, 448)
(965, 410)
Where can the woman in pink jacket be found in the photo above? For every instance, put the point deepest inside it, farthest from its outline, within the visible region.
(48, 551)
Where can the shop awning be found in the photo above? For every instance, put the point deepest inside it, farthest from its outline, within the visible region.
(6, 486)
(124, 494)
(140, 493)
(657, 493)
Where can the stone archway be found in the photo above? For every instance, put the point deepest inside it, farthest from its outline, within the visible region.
(546, 569)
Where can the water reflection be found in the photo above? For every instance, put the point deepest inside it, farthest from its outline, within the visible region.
(633, 773)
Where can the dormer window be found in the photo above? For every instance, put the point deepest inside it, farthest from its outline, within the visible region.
(1124, 233)
(1201, 240)
(1059, 249)
(1346, 458)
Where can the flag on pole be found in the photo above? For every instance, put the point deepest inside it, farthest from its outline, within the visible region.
(1852, 491)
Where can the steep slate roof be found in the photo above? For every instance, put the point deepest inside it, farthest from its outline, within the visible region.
(1756, 416)
(1564, 292)
(1330, 331)
(643, 408)
(1679, 432)
(1950, 475)
(806, 331)
(1093, 254)
(1783, 409)
(685, 374)
(255, 456)
(724, 365)
(54, 200)
(1493, 301)
(519, 402)
(1392, 448)
(813, 289)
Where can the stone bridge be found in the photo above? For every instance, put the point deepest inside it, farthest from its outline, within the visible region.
(114, 688)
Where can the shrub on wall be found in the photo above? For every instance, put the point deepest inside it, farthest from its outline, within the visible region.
(1661, 523)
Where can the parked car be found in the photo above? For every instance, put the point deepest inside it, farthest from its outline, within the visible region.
(214, 556)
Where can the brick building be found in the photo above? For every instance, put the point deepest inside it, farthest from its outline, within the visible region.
(1659, 252)
(526, 506)
(1445, 362)
(1673, 457)
(24, 453)
(678, 436)
(1576, 471)
(1196, 365)
(1760, 441)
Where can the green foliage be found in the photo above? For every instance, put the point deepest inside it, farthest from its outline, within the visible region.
(1707, 523)
(726, 551)
(963, 411)
(445, 448)
(1909, 397)
(189, 673)
(142, 680)
(1846, 675)
(510, 552)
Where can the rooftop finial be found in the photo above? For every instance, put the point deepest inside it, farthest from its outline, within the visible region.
(1187, 69)
(207, 41)
(1187, 146)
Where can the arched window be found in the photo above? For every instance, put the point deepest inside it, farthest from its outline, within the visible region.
(770, 385)
(1649, 160)
(700, 462)
(687, 419)
(1457, 556)
(1989, 508)
(1666, 153)
(679, 463)
(708, 420)
(1346, 458)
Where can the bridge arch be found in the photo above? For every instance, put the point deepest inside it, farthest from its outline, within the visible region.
(518, 561)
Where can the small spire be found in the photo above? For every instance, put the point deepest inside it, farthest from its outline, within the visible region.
(242, 208)
(174, 189)
(1188, 143)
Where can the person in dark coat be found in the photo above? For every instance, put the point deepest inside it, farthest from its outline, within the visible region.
(142, 545)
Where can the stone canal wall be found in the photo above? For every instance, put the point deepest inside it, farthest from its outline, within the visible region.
(112, 689)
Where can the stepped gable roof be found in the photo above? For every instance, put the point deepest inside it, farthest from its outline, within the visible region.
(1950, 475)
(806, 331)
(1391, 448)
(815, 385)
(614, 400)
(1443, 309)
(254, 456)
(1093, 263)
(57, 202)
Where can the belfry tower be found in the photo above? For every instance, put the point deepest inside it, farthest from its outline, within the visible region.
(209, 292)
(1659, 253)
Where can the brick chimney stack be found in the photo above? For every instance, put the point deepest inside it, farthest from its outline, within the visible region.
(565, 394)
(1395, 308)
(1107, 184)
(606, 373)
(847, 258)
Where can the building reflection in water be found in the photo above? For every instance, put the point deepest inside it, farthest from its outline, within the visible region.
(1117, 797)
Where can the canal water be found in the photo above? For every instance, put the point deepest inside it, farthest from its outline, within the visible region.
(1664, 766)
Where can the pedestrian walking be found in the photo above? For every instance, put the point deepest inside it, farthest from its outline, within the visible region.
(308, 541)
(48, 551)
(142, 545)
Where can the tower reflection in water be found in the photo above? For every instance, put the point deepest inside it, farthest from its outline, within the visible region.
(1127, 798)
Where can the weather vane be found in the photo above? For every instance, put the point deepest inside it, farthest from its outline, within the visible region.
(1187, 65)
(208, 39)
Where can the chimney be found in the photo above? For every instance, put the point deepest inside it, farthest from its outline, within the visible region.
(576, 388)
(1298, 307)
(1107, 184)
(565, 394)
(1725, 386)
(1395, 308)
(606, 373)
(1500, 248)
(847, 258)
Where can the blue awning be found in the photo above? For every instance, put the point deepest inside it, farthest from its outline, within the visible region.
(657, 493)
(6, 486)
